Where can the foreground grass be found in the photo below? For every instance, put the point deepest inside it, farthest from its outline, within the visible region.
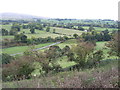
(104, 76)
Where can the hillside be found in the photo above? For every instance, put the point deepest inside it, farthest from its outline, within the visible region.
(103, 76)
(19, 16)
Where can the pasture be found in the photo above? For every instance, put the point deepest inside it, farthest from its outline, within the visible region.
(101, 28)
(64, 31)
(8, 26)
(20, 49)
(39, 33)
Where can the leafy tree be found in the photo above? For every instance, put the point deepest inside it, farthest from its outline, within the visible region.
(4, 32)
(16, 26)
(47, 29)
(80, 28)
(65, 50)
(106, 35)
(20, 37)
(80, 52)
(114, 45)
(32, 30)
(91, 28)
(75, 35)
(94, 58)
(13, 32)
(54, 30)
(65, 38)
(23, 38)
(18, 69)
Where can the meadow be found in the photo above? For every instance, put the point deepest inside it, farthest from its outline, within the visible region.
(21, 49)
(101, 28)
(64, 31)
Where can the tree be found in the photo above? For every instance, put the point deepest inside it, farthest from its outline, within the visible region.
(95, 58)
(16, 26)
(75, 35)
(80, 28)
(80, 52)
(32, 30)
(4, 32)
(54, 30)
(91, 28)
(21, 37)
(47, 29)
(24, 38)
(18, 69)
(65, 50)
(114, 45)
(106, 36)
(65, 38)
(13, 32)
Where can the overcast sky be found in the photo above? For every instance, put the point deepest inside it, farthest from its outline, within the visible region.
(81, 9)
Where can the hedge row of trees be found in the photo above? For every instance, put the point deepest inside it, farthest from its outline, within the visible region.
(98, 36)
(21, 39)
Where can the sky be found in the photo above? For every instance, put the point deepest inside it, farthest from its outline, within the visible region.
(76, 9)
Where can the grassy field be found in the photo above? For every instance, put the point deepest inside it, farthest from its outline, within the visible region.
(68, 32)
(100, 28)
(64, 63)
(19, 49)
(7, 37)
(8, 27)
(101, 46)
(68, 43)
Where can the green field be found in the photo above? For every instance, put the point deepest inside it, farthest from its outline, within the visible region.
(19, 49)
(8, 27)
(68, 32)
(68, 43)
(101, 29)
(7, 37)
(39, 33)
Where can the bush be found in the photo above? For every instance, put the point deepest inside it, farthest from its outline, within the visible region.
(6, 58)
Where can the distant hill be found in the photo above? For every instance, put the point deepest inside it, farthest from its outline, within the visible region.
(19, 16)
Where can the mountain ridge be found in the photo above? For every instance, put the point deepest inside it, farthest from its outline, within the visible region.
(9, 15)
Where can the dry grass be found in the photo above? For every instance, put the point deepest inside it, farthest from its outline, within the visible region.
(100, 77)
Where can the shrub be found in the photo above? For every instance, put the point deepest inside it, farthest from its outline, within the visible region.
(6, 58)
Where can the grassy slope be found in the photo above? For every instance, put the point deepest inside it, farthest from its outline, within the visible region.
(39, 33)
(100, 28)
(105, 76)
(18, 49)
(101, 46)
(8, 27)
(66, 31)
